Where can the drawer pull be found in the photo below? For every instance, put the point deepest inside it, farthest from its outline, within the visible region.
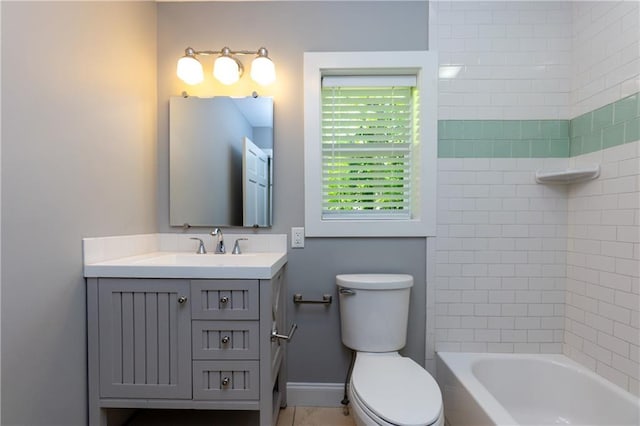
(224, 300)
(182, 300)
(226, 381)
(225, 340)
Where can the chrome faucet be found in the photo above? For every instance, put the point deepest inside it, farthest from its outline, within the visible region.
(220, 249)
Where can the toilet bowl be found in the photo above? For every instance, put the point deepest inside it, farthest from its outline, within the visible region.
(385, 388)
(388, 389)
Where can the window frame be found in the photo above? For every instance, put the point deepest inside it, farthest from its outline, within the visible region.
(422, 64)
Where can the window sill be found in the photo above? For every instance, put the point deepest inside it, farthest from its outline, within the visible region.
(367, 228)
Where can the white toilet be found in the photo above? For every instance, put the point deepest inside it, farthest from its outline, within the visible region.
(385, 388)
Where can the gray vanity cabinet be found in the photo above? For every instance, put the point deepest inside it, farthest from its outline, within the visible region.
(145, 348)
(186, 343)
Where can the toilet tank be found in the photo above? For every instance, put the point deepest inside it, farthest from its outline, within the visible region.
(374, 309)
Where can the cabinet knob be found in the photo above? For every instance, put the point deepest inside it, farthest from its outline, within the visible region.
(225, 339)
(224, 300)
(226, 381)
(182, 300)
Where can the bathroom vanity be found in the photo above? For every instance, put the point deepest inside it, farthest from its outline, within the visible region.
(178, 330)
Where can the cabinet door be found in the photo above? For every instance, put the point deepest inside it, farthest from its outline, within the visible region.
(144, 338)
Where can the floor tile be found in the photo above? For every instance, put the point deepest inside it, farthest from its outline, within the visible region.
(321, 416)
(290, 416)
(285, 418)
(193, 418)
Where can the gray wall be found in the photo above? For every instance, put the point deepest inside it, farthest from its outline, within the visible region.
(78, 159)
(288, 29)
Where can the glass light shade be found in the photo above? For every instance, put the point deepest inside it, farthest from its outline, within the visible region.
(263, 71)
(190, 70)
(226, 70)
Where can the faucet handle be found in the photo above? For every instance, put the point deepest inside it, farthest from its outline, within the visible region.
(236, 246)
(201, 249)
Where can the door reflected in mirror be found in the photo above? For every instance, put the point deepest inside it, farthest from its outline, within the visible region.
(221, 161)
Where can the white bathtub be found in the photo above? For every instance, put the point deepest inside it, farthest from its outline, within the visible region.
(521, 389)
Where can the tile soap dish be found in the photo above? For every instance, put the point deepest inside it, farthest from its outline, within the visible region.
(568, 176)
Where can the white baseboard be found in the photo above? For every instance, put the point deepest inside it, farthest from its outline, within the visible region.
(301, 394)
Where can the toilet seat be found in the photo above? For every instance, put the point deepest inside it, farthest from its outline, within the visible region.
(396, 389)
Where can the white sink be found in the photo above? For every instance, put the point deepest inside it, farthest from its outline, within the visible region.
(190, 265)
(189, 259)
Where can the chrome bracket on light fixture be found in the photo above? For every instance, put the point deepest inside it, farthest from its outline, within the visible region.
(227, 68)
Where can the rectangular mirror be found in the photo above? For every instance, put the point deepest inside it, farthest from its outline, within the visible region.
(220, 161)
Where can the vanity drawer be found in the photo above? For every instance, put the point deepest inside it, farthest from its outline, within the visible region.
(225, 339)
(224, 299)
(226, 380)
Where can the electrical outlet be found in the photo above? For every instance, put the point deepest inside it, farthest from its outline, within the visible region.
(297, 237)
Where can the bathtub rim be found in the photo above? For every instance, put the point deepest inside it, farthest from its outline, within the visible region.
(460, 365)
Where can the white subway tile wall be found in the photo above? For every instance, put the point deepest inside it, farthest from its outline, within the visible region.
(514, 59)
(602, 326)
(500, 257)
(520, 267)
(605, 53)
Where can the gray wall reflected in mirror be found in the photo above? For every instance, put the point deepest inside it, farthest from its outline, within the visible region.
(214, 147)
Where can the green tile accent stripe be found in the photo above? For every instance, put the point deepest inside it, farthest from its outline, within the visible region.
(503, 138)
(611, 125)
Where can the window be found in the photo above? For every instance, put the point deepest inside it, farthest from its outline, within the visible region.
(369, 135)
(370, 143)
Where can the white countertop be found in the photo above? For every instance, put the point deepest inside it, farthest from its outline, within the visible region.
(189, 265)
(172, 256)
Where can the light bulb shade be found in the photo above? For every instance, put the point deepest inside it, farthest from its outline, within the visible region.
(226, 70)
(190, 70)
(263, 71)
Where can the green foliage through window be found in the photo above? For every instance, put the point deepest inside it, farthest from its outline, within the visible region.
(369, 139)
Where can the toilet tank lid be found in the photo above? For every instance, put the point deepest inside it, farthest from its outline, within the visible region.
(375, 281)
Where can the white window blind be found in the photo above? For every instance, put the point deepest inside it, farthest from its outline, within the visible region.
(369, 142)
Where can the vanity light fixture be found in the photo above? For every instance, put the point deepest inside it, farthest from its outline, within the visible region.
(226, 68)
